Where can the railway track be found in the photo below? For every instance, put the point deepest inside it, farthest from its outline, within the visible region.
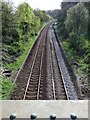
(30, 71)
(34, 89)
(57, 87)
(40, 77)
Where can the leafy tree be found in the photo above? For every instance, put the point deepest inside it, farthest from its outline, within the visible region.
(87, 4)
(77, 24)
(37, 24)
(17, 28)
(25, 20)
(8, 23)
(73, 29)
(62, 17)
(42, 15)
(9, 32)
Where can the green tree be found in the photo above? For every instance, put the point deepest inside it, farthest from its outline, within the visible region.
(9, 32)
(77, 25)
(37, 24)
(62, 17)
(18, 26)
(87, 4)
(25, 20)
(42, 15)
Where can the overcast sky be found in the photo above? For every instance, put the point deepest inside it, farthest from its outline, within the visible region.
(41, 4)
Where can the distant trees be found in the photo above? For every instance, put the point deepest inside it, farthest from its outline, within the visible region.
(53, 13)
(42, 15)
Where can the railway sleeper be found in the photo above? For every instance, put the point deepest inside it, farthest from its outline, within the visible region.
(33, 83)
(30, 98)
(32, 89)
(29, 92)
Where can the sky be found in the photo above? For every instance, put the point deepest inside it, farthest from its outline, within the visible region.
(41, 4)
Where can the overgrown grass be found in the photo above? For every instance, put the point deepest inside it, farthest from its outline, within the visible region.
(72, 56)
(5, 85)
(16, 65)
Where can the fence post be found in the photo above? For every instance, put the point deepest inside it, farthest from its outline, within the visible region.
(73, 116)
(53, 116)
(12, 116)
(33, 116)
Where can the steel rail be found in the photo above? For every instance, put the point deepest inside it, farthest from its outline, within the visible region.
(40, 71)
(52, 76)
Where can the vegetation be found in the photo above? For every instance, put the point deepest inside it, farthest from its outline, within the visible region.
(20, 27)
(76, 25)
(72, 28)
(19, 60)
(42, 15)
(5, 84)
(53, 13)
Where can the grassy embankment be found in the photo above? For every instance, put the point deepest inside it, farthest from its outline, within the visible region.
(82, 65)
(82, 69)
(15, 66)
